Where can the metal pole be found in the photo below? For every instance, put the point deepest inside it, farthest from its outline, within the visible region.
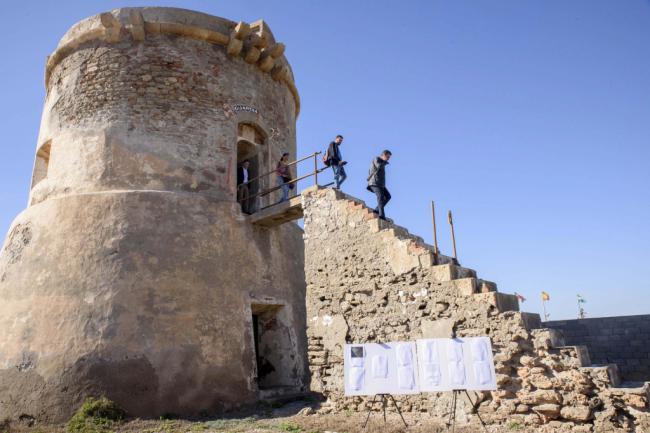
(453, 235)
(435, 234)
(315, 168)
(544, 307)
(370, 410)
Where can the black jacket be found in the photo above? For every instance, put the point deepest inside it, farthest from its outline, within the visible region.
(240, 175)
(377, 173)
(333, 154)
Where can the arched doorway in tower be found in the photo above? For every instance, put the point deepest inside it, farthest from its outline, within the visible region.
(251, 147)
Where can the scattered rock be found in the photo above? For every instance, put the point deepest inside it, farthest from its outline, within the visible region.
(576, 413)
(306, 411)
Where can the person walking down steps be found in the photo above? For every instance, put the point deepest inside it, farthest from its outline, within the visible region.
(377, 181)
(334, 159)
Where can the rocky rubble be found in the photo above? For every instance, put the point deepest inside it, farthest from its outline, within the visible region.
(370, 281)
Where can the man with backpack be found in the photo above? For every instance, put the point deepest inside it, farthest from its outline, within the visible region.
(334, 159)
(377, 181)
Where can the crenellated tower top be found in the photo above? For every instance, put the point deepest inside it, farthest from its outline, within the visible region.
(253, 42)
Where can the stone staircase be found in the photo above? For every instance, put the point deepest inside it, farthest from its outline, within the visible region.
(607, 376)
(419, 254)
(372, 280)
(407, 253)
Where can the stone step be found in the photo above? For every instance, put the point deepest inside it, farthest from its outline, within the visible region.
(470, 286)
(531, 320)
(465, 286)
(641, 389)
(608, 375)
(579, 353)
(548, 338)
(484, 286)
(502, 301)
(280, 394)
(449, 272)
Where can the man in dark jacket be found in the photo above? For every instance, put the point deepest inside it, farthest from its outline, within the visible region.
(377, 181)
(336, 161)
(243, 191)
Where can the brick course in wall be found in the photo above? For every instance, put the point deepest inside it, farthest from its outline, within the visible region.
(623, 340)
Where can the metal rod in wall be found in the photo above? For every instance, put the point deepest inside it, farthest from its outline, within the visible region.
(453, 235)
(435, 233)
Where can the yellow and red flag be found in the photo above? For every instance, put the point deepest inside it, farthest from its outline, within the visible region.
(545, 296)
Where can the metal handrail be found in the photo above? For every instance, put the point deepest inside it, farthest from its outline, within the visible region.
(288, 165)
(292, 181)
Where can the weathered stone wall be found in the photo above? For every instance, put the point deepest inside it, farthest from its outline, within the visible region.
(623, 340)
(371, 281)
(133, 273)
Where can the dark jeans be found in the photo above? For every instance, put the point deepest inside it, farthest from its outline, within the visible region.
(383, 197)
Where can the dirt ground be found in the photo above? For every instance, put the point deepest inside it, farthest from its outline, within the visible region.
(289, 418)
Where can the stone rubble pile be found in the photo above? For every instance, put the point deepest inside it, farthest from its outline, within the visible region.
(371, 281)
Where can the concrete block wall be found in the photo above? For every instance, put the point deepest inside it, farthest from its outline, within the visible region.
(623, 340)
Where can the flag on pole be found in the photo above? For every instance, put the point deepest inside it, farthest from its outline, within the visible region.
(520, 297)
(545, 296)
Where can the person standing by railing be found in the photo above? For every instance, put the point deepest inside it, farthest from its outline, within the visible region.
(243, 191)
(377, 181)
(334, 158)
(284, 176)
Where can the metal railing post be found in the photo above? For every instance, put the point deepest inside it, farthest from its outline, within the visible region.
(316, 168)
(435, 234)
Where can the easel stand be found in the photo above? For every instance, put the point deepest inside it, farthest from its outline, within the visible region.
(452, 414)
(384, 401)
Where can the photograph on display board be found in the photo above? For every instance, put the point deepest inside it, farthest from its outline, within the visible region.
(447, 364)
(374, 368)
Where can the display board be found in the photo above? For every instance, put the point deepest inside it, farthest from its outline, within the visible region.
(389, 368)
(447, 364)
(430, 365)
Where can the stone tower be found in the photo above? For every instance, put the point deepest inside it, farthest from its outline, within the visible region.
(133, 272)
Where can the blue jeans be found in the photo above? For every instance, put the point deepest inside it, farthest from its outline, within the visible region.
(284, 188)
(339, 175)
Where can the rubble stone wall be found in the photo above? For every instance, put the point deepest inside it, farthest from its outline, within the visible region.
(371, 281)
(623, 340)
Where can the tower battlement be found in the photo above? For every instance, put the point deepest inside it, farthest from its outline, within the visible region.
(253, 42)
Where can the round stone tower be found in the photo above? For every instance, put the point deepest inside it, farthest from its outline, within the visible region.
(133, 273)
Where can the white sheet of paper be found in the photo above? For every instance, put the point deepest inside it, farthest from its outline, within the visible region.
(379, 367)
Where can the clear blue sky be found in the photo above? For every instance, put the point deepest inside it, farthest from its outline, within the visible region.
(529, 119)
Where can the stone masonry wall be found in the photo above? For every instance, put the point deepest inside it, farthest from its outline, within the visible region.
(371, 281)
(623, 340)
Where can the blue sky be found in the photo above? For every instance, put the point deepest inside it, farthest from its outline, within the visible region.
(529, 119)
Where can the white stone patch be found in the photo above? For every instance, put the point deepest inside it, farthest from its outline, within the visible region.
(327, 320)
